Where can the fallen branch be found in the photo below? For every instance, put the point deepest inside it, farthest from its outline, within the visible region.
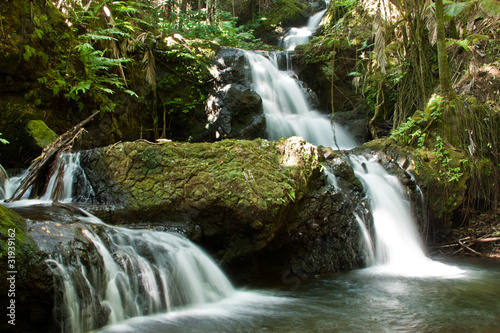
(490, 239)
(471, 250)
(45, 159)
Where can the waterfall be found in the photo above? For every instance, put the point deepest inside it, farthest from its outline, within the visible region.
(398, 247)
(11, 184)
(286, 109)
(131, 273)
(105, 274)
(65, 174)
(298, 36)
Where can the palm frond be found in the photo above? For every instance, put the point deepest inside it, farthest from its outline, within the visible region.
(379, 47)
(150, 67)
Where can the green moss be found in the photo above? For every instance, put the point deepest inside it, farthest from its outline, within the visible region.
(33, 285)
(285, 11)
(248, 180)
(42, 135)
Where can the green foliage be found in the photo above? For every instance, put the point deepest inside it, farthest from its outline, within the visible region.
(453, 9)
(446, 169)
(416, 128)
(3, 140)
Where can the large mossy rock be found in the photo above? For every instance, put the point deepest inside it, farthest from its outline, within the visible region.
(40, 134)
(235, 186)
(244, 201)
(30, 285)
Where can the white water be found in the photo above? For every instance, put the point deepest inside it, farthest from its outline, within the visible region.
(124, 273)
(299, 36)
(286, 109)
(59, 186)
(10, 186)
(137, 273)
(398, 247)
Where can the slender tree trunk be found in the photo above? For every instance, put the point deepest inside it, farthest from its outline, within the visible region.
(444, 68)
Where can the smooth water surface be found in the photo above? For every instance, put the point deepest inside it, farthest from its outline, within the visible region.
(358, 301)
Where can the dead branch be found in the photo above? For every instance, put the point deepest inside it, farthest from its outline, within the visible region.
(490, 239)
(47, 157)
(471, 250)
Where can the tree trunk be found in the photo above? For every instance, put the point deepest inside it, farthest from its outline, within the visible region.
(444, 69)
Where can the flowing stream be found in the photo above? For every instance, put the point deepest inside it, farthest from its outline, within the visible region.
(149, 281)
(397, 245)
(299, 36)
(286, 108)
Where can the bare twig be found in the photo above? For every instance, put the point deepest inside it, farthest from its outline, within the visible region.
(471, 250)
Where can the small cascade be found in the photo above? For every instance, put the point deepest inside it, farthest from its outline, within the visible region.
(398, 247)
(62, 182)
(286, 109)
(299, 36)
(366, 240)
(126, 273)
(10, 186)
(66, 180)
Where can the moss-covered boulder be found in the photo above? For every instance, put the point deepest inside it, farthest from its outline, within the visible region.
(25, 278)
(40, 134)
(239, 189)
(244, 201)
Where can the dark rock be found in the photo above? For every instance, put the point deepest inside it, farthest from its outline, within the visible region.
(32, 286)
(356, 122)
(233, 109)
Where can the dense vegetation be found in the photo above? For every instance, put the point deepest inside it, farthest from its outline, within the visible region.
(424, 74)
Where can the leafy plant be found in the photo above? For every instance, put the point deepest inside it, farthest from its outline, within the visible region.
(3, 140)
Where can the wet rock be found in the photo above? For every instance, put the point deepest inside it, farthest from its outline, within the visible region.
(27, 284)
(233, 109)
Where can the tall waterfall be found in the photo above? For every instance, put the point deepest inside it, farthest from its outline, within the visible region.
(286, 109)
(398, 247)
(299, 36)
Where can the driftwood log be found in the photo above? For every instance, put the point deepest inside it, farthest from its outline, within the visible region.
(49, 153)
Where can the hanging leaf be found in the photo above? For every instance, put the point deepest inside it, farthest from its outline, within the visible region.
(464, 43)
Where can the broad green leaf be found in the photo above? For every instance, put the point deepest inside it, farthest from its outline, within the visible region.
(454, 9)
(131, 93)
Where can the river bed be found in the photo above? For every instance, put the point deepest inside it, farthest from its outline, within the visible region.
(359, 301)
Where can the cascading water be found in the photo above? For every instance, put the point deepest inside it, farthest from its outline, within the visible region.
(135, 273)
(299, 36)
(398, 248)
(109, 274)
(66, 173)
(286, 109)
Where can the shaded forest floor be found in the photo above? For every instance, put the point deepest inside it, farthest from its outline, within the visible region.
(480, 238)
